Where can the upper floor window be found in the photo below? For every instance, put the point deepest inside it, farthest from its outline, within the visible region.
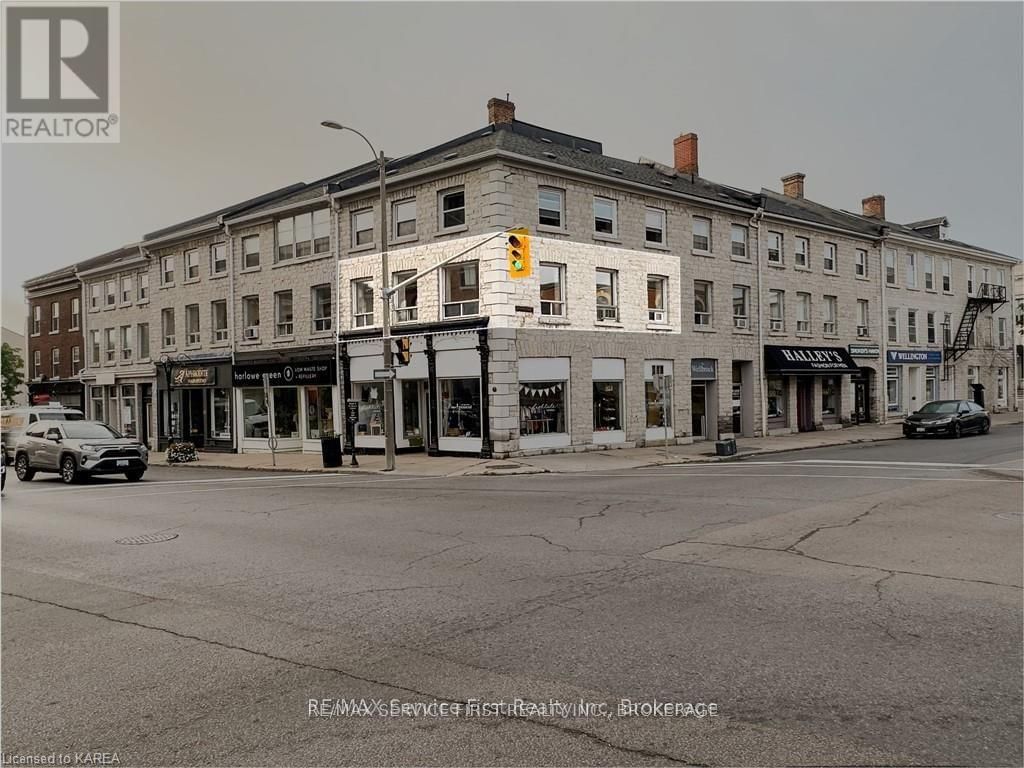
(37, 364)
(404, 214)
(606, 294)
(890, 266)
(550, 207)
(321, 230)
(657, 287)
(702, 303)
(362, 303)
(892, 325)
(251, 252)
(461, 290)
(285, 320)
(76, 360)
(828, 259)
(167, 270)
(863, 317)
(654, 226)
(127, 289)
(76, 313)
(127, 345)
(776, 311)
(94, 295)
(143, 337)
(605, 216)
(452, 209)
(37, 320)
(218, 259)
(738, 238)
(830, 326)
(250, 317)
(55, 317)
(803, 313)
(911, 270)
(774, 247)
(741, 307)
(192, 264)
(701, 234)
(94, 347)
(304, 234)
(860, 266)
(321, 308)
(111, 292)
(801, 250)
(144, 286)
(947, 275)
(930, 326)
(406, 298)
(912, 326)
(362, 227)
(552, 290)
(192, 332)
(55, 363)
(970, 279)
(110, 346)
(1001, 277)
(929, 273)
(219, 320)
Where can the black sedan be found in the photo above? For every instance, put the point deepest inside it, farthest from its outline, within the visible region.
(947, 417)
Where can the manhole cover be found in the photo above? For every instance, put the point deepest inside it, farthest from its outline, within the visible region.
(149, 538)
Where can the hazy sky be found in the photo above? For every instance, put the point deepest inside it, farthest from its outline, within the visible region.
(220, 101)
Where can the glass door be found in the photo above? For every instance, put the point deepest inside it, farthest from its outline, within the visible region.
(413, 429)
(698, 409)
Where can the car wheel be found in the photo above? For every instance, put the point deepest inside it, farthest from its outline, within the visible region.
(135, 475)
(23, 470)
(986, 426)
(69, 470)
(957, 430)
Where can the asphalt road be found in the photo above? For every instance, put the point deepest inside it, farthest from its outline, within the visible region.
(845, 606)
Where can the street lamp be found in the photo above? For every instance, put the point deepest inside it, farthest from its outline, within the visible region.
(389, 383)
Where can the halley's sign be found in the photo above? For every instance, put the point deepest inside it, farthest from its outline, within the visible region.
(794, 361)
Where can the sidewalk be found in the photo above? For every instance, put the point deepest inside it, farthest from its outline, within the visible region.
(584, 461)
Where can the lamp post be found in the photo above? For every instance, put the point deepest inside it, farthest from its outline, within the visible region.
(389, 382)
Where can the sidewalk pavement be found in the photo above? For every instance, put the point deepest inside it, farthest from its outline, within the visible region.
(613, 459)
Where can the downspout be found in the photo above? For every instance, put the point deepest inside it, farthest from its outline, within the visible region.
(231, 326)
(755, 222)
(883, 334)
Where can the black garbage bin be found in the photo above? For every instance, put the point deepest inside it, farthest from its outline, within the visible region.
(725, 447)
(330, 449)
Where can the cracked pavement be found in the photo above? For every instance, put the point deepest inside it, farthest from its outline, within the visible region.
(864, 613)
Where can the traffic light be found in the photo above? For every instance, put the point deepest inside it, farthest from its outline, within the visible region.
(404, 352)
(518, 247)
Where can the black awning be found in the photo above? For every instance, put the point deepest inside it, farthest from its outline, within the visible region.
(808, 361)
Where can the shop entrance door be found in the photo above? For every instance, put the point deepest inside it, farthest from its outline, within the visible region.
(805, 404)
(195, 415)
(698, 410)
(862, 396)
(414, 411)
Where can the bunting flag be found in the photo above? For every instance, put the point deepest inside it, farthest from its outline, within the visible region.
(526, 389)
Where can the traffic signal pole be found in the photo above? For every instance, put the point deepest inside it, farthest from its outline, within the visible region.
(389, 383)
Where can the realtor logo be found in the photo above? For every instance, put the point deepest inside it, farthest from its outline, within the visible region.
(62, 79)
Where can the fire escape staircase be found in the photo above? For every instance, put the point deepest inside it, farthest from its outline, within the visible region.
(988, 296)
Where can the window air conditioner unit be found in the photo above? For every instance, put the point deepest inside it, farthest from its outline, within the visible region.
(862, 330)
(739, 322)
(775, 324)
(656, 315)
(253, 332)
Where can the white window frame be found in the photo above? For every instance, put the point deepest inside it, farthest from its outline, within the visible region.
(802, 252)
(143, 292)
(892, 267)
(863, 318)
(776, 319)
(191, 261)
(142, 332)
(555, 194)
(607, 313)
(54, 317)
(804, 308)
(193, 334)
(830, 315)
(661, 226)
(465, 307)
(860, 268)
(358, 228)
(400, 210)
(776, 244)
(127, 343)
(443, 211)
(284, 328)
(76, 314)
(218, 334)
(222, 249)
(55, 363)
(947, 275)
(167, 275)
(613, 205)
(553, 307)
(110, 293)
(109, 345)
(322, 323)
(741, 321)
(405, 312)
(360, 287)
(37, 320)
(911, 270)
(743, 242)
(95, 296)
(704, 222)
(250, 317)
(704, 319)
(892, 325)
(911, 326)
(76, 359)
(830, 258)
(928, 265)
(930, 332)
(126, 292)
(658, 314)
(247, 241)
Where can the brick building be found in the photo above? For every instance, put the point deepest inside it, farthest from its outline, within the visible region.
(54, 337)
(661, 304)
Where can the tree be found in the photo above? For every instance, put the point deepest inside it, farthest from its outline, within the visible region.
(13, 373)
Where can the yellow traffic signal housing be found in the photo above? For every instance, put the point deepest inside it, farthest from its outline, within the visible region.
(518, 247)
(404, 345)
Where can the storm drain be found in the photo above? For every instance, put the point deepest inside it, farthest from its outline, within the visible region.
(149, 538)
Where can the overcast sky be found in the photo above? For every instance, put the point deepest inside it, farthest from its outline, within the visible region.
(221, 101)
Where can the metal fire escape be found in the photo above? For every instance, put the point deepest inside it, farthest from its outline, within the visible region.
(988, 295)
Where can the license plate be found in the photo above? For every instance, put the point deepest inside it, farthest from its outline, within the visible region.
(122, 462)
(920, 429)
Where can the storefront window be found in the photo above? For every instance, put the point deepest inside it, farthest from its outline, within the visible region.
(114, 416)
(220, 413)
(829, 396)
(129, 425)
(607, 406)
(371, 408)
(541, 407)
(892, 388)
(286, 411)
(657, 390)
(460, 407)
(319, 412)
(931, 383)
(96, 397)
(776, 398)
(255, 414)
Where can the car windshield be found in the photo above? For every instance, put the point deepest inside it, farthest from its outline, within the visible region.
(58, 416)
(946, 406)
(84, 430)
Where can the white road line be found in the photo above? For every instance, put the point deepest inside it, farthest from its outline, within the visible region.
(150, 483)
(892, 463)
(778, 476)
(906, 465)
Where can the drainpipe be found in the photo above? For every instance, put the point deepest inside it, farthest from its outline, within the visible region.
(755, 222)
(883, 334)
(231, 329)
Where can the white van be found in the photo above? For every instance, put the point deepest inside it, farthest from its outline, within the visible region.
(14, 421)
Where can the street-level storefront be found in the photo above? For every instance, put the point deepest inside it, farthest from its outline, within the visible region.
(290, 403)
(704, 398)
(124, 401)
(67, 392)
(440, 405)
(195, 403)
(913, 378)
(865, 383)
(808, 388)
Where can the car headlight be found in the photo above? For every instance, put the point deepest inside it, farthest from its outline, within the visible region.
(88, 448)
(943, 421)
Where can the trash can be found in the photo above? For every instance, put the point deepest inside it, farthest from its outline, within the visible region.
(725, 447)
(330, 450)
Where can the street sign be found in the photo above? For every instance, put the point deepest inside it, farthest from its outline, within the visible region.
(384, 373)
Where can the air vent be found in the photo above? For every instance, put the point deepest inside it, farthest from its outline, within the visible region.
(552, 155)
(451, 155)
(617, 170)
(584, 149)
(546, 140)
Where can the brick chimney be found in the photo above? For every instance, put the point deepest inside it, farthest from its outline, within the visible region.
(686, 153)
(874, 206)
(500, 111)
(793, 185)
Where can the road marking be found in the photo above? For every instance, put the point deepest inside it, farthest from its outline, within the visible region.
(891, 463)
(150, 483)
(922, 466)
(778, 476)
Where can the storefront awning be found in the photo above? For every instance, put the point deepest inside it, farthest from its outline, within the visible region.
(808, 361)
